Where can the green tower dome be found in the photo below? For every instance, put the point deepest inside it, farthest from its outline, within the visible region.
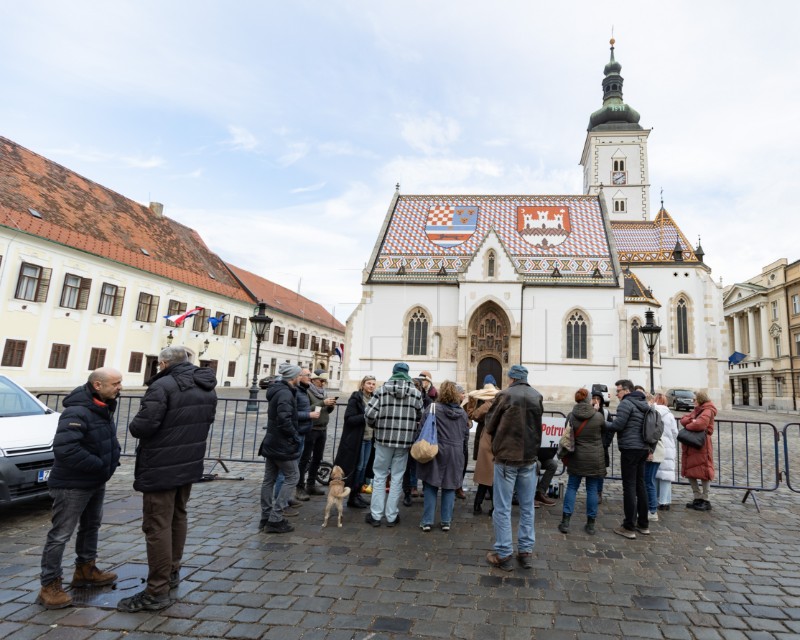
(614, 114)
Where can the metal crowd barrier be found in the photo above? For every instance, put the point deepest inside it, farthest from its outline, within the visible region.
(791, 452)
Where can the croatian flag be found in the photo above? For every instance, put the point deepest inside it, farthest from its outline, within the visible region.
(179, 318)
(339, 351)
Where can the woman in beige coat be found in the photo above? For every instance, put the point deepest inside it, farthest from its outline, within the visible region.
(478, 406)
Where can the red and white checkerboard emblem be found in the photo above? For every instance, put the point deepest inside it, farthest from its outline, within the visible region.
(450, 225)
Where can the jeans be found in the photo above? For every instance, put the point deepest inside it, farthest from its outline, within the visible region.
(634, 494)
(429, 504)
(650, 470)
(82, 508)
(311, 457)
(664, 490)
(279, 481)
(363, 459)
(507, 479)
(549, 468)
(573, 484)
(164, 525)
(388, 460)
(272, 506)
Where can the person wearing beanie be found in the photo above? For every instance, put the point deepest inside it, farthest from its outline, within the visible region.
(515, 426)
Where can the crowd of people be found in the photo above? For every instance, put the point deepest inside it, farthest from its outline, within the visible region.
(381, 423)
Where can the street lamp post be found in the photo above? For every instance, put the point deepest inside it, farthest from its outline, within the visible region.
(260, 322)
(650, 331)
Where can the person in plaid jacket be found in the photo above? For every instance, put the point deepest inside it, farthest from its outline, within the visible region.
(394, 413)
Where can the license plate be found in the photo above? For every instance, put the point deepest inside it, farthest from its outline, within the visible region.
(44, 474)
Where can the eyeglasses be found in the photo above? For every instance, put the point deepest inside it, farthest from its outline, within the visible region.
(620, 391)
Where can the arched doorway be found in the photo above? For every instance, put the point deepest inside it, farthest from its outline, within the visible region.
(489, 366)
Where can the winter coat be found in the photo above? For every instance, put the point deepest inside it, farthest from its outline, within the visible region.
(629, 420)
(446, 470)
(484, 463)
(668, 442)
(172, 426)
(85, 448)
(304, 422)
(699, 463)
(316, 397)
(515, 424)
(349, 451)
(394, 412)
(588, 459)
(282, 441)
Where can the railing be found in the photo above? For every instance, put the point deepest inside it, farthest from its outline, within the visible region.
(791, 453)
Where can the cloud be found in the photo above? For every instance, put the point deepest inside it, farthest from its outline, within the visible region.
(106, 157)
(296, 151)
(343, 148)
(443, 175)
(312, 187)
(430, 134)
(153, 162)
(241, 139)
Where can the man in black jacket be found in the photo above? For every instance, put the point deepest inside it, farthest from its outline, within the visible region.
(86, 454)
(172, 426)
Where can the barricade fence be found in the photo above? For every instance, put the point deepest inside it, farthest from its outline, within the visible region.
(746, 454)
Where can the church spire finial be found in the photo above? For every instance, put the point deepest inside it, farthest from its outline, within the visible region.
(662, 198)
(614, 114)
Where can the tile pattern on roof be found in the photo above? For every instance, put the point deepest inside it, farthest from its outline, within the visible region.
(550, 239)
(635, 291)
(82, 214)
(651, 241)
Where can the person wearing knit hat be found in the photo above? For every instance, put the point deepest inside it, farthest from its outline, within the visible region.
(288, 371)
(518, 372)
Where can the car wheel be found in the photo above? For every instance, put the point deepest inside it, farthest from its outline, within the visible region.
(324, 472)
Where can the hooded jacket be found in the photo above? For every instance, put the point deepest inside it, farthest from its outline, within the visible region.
(629, 420)
(666, 470)
(85, 446)
(172, 426)
(446, 470)
(588, 459)
(282, 441)
(515, 424)
(394, 411)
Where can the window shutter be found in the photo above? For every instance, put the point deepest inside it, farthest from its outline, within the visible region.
(83, 294)
(44, 285)
(118, 300)
(154, 300)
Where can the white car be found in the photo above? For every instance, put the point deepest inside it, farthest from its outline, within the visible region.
(27, 429)
(602, 390)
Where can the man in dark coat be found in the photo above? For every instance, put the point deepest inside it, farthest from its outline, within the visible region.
(633, 452)
(86, 454)
(172, 426)
(281, 448)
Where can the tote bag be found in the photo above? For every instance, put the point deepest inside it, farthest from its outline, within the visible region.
(426, 446)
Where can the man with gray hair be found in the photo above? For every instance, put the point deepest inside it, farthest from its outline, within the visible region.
(172, 426)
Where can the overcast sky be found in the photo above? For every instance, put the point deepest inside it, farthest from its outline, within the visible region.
(279, 129)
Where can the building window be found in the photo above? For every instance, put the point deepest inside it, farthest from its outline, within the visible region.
(273, 366)
(576, 337)
(292, 338)
(111, 298)
(135, 363)
(797, 344)
(417, 334)
(222, 324)
(314, 343)
(277, 335)
(776, 341)
(239, 327)
(490, 265)
(97, 358)
(14, 353)
(682, 321)
(33, 283)
(175, 308)
(795, 304)
(324, 348)
(304, 341)
(58, 356)
(774, 305)
(147, 310)
(232, 369)
(635, 351)
(619, 165)
(75, 294)
(778, 387)
(619, 205)
(200, 321)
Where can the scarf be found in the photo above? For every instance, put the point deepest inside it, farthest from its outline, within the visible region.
(488, 392)
(317, 392)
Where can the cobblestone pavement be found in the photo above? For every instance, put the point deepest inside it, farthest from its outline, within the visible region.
(730, 573)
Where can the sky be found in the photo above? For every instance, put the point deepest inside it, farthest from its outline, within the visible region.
(279, 130)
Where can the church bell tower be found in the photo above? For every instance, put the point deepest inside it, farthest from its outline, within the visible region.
(614, 155)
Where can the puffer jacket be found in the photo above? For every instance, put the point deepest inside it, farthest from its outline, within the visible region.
(514, 423)
(588, 459)
(668, 442)
(628, 421)
(394, 411)
(699, 463)
(85, 447)
(282, 441)
(446, 470)
(172, 426)
(304, 421)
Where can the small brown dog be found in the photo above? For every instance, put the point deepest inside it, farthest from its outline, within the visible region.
(337, 492)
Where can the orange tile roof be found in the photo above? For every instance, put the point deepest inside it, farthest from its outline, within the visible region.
(81, 214)
(285, 300)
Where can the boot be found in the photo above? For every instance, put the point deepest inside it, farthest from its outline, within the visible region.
(476, 506)
(312, 490)
(300, 494)
(589, 528)
(694, 504)
(53, 596)
(563, 526)
(88, 575)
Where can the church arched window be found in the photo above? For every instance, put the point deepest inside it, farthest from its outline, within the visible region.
(417, 333)
(635, 350)
(490, 265)
(576, 336)
(682, 325)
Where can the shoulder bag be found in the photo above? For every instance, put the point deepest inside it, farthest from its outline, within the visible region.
(566, 445)
(427, 444)
(695, 439)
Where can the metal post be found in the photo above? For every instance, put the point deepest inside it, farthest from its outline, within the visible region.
(252, 401)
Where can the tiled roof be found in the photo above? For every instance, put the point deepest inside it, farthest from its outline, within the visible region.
(635, 291)
(81, 214)
(651, 241)
(286, 301)
(550, 239)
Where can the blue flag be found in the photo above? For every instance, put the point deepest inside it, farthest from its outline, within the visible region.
(736, 357)
(215, 321)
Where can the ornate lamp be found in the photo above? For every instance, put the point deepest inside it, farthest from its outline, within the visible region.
(260, 322)
(650, 332)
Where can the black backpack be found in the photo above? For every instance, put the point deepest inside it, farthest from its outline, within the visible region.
(652, 427)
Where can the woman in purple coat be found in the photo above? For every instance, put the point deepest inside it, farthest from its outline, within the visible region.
(445, 470)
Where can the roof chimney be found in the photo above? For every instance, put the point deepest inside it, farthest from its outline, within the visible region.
(157, 208)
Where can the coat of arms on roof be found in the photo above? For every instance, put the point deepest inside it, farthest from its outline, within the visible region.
(449, 225)
(543, 226)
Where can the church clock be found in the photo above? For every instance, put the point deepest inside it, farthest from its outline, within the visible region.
(619, 177)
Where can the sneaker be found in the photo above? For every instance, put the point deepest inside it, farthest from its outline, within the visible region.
(394, 522)
(425, 527)
(525, 560)
(174, 579)
(282, 526)
(653, 517)
(300, 494)
(290, 513)
(143, 601)
(294, 503)
(445, 526)
(370, 520)
(625, 533)
(499, 563)
(543, 499)
(645, 531)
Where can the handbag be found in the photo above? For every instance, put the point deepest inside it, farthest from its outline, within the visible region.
(695, 439)
(426, 445)
(566, 445)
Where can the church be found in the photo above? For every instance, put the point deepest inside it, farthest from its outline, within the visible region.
(464, 285)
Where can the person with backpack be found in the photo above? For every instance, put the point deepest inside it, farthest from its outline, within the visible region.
(633, 450)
